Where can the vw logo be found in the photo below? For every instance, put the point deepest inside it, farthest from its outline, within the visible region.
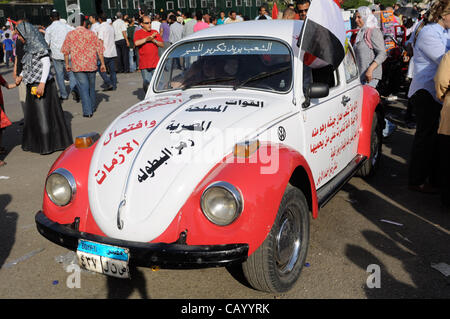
(281, 133)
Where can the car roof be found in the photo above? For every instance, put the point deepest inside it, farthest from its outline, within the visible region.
(287, 30)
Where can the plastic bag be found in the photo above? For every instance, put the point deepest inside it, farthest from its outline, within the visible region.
(4, 120)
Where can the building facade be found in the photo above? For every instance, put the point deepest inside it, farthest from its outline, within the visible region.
(35, 13)
(111, 7)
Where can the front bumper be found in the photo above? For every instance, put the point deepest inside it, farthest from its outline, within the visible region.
(169, 256)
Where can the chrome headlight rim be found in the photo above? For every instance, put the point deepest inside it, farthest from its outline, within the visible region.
(236, 194)
(70, 180)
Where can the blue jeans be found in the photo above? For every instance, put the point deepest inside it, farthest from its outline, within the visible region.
(59, 73)
(111, 68)
(147, 75)
(86, 82)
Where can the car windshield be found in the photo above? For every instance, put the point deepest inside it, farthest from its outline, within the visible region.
(235, 63)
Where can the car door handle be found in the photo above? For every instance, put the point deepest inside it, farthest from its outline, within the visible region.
(345, 100)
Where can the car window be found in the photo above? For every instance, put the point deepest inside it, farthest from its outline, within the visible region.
(249, 63)
(324, 74)
(350, 67)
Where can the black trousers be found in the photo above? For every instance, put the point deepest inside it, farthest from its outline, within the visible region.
(424, 161)
(444, 148)
(123, 59)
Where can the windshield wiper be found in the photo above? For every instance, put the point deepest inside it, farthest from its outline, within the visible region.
(260, 76)
(207, 81)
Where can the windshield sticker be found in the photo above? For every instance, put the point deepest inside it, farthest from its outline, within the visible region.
(235, 47)
(225, 49)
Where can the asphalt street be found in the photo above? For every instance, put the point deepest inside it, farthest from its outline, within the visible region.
(370, 225)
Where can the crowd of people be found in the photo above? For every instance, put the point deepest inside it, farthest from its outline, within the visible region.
(134, 43)
(428, 91)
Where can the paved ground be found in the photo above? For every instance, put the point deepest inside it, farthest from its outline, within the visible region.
(348, 236)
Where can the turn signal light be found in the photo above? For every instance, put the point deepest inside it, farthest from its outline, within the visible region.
(86, 140)
(246, 149)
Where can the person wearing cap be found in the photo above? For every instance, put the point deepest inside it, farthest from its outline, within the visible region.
(84, 47)
(55, 36)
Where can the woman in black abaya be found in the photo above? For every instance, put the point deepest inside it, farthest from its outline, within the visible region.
(45, 130)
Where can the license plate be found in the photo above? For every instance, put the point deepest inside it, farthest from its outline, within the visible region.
(104, 259)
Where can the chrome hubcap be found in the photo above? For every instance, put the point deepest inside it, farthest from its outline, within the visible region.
(288, 242)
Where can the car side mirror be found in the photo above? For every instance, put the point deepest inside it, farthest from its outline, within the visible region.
(315, 91)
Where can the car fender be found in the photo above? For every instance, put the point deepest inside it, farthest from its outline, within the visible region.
(371, 99)
(76, 161)
(262, 194)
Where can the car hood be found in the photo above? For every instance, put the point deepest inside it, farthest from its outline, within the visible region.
(150, 159)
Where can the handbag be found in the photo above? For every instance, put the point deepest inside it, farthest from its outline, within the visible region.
(4, 120)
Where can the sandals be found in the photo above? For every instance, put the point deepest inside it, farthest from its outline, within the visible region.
(2, 163)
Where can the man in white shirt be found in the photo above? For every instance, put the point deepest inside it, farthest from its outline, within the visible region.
(105, 33)
(122, 44)
(94, 24)
(189, 24)
(156, 24)
(176, 29)
(263, 13)
(176, 34)
(233, 18)
(55, 35)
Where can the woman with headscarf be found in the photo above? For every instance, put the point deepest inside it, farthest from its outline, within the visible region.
(370, 53)
(369, 47)
(45, 130)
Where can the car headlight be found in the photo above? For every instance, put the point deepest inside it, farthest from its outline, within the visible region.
(221, 203)
(60, 187)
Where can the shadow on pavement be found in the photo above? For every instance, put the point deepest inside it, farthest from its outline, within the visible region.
(140, 93)
(8, 226)
(123, 288)
(419, 238)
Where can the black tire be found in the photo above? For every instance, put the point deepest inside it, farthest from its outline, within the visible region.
(276, 265)
(376, 142)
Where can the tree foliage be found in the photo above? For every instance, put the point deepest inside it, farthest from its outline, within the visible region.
(355, 4)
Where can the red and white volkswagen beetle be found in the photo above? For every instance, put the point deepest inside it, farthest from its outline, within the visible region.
(233, 148)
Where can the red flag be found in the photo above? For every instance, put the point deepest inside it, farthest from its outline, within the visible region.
(274, 11)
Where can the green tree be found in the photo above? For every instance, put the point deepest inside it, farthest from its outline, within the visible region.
(354, 4)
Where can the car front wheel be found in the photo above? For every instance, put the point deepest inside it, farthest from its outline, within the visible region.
(276, 265)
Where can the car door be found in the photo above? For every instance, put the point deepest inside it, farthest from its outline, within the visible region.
(353, 93)
(326, 123)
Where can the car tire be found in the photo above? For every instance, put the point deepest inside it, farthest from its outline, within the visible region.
(376, 142)
(276, 265)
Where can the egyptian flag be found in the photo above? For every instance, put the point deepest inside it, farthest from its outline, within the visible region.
(11, 22)
(324, 39)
